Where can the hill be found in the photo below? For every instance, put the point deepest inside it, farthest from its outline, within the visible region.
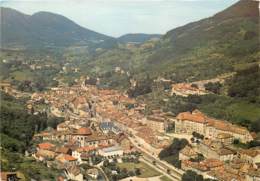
(44, 29)
(196, 51)
(210, 46)
(137, 38)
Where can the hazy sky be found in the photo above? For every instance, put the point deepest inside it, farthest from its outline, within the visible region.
(118, 17)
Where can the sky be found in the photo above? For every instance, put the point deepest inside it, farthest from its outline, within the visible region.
(119, 17)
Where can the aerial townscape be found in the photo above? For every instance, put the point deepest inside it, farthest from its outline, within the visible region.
(77, 105)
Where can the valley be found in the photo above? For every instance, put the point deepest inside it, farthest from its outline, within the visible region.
(81, 105)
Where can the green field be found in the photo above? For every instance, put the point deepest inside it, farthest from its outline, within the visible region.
(164, 178)
(146, 170)
(22, 75)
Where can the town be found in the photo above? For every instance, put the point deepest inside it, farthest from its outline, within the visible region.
(105, 127)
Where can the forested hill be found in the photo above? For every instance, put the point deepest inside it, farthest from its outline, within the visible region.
(199, 50)
(137, 38)
(17, 129)
(44, 29)
(210, 46)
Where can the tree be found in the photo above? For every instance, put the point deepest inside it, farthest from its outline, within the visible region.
(190, 175)
(214, 87)
(171, 153)
(236, 141)
(105, 163)
(137, 171)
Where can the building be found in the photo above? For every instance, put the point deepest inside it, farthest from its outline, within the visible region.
(64, 150)
(111, 151)
(124, 142)
(63, 126)
(44, 155)
(225, 138)
(216, 127)
(97, 140)
(216, 150)
(73, 173)
(9, 176)
(83, 153)
(187, 123)
(251, 156)
(45, 146)
(187, 152)
(109, 126)
(64, 160)
(81, 135)
(253, 175)
(203, 166)
(93, 173)
(156, 123)
(186, 89)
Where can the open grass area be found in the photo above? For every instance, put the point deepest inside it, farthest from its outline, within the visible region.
(236, 111)
(146, 170)
(164, 178)
(23, 75)
(245, 110)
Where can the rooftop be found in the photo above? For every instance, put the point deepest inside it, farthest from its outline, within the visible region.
(46, 146)
(84, 131)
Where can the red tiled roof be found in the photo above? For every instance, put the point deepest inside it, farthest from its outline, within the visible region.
(86, 149)
(192, 117)
(84, 131)
(69, 158)
(45, 146)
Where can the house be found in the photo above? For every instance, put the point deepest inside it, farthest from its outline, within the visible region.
(187, 152)
(203, 166)
(62, 136)
(186, 89)
(111, 151)
(64, 160)
(9, 176)
(253, 175)
(45, 146)
(73, 173)
(43, 136)
(157, 123)
(81, 135)
(224, 175)
(63, 126)
(251, 156)
(63, 150)
(83, 153)
(44, 155)
(93, 173)
(98, 139)
(124, 142)
(109, 126)
(225, 138)
(214, 149)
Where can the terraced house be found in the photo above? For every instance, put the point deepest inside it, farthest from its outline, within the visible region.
(187, 123)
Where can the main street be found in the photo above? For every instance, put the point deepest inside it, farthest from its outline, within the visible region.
(168, 170)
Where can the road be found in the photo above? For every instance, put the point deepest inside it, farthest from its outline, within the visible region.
(167, 169)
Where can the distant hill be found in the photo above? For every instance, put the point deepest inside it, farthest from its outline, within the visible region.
(137, 38)
(44, 29)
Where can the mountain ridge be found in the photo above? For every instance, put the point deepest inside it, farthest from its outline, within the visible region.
(43, 29)
(137, 38)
